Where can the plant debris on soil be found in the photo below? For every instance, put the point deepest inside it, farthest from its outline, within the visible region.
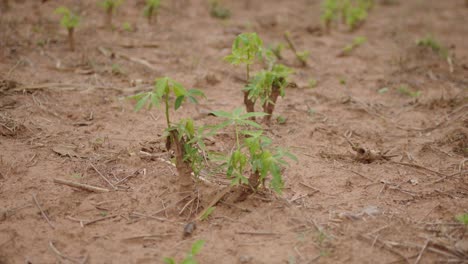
(381, 136)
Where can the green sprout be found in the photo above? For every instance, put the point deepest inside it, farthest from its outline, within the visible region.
(277, 49)
(329, 11)
(217, 10)
(355, 16)
(357, 42)
(127, 27)
(462, 218)
(281, 120)
(405, 90)
(151, 8)
(190, 258)
(312, 83)
(430, 42)
(207, 213)
(69, 21)
(301, 56)
(110, 6)
(184, 137)
(246, 49)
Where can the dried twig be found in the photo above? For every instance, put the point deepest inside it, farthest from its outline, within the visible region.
(419, 167)
(213, 202)
(44, 215)
(386, 246)
(85, 187)
(134, 44)
(103, 177)
(422, 252)
(62, 256)
(258, 233)
(143, 62)
(100, 219)
(148, 216)
(149, 236)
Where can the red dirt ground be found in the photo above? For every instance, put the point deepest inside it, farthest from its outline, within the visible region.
(61, 113)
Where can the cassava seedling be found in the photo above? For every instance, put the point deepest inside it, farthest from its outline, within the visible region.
(432, 43)
(329, 12)
(69, 21)
(405, 90)
(190, 258)
(301, 56)
(463, 219)
(151, 9)
(355, 16)
(183, 137)
(358, 41)
(110, 6)
(277, 49)
(246, 48)
(252, 154)
(267, 86)
(218, 10)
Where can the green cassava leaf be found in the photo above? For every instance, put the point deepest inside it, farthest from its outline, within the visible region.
(178, 102)
(141, 103)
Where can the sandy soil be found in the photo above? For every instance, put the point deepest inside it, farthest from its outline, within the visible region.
(63, 115)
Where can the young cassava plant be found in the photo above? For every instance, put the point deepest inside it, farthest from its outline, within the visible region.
(348, 49)
(151, 9)
(252, 154)
(190, 258)
(183, 137)
(301, 56)
(267, 86)
(329, 12)
(218, 10)
(110, 6)
(246, 49)
(69, 21)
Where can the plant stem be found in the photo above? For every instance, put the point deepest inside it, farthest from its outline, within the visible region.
(167, 111)
(108, 21)
(71, 39)
(237, 136)
(248, 73)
